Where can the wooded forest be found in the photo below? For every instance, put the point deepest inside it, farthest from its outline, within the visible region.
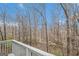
(57, 35)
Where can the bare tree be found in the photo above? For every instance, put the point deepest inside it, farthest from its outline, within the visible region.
(68, 38)
(44, 22)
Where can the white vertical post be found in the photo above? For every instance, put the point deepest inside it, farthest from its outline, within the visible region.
(28, 52)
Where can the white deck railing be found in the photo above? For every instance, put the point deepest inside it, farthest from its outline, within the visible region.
(21, 49)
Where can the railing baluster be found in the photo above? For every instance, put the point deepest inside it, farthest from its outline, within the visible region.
(1, 48)
(6, 48)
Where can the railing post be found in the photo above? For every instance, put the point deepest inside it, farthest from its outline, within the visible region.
(28, 53)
